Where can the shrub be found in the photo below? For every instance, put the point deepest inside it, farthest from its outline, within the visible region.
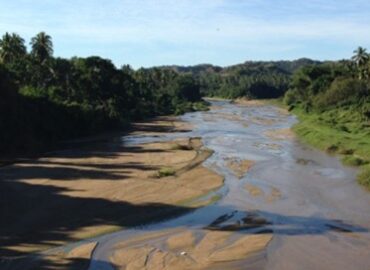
(332, 148)
(341, 91)
(165, 171)
(364, 177)
(346, 152)
(290, 97)
(353, 161)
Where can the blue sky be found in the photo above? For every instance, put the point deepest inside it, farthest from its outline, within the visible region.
(186, 32)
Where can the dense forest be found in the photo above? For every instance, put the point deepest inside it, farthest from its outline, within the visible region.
(250, 79)
(44, 99)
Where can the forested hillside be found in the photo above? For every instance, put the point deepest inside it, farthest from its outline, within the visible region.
(250, 79)
(44, 99)
(332, 101)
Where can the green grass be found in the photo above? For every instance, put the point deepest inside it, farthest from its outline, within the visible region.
(165, 171)
(351, 160)
(364, 177)
(278, 102)
(201, 106)
(338, 131)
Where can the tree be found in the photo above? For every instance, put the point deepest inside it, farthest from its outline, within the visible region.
(361, 56)
(42, 47)
(12, 48)
(361, 59)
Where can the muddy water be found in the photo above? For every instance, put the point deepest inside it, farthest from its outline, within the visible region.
(318, 215)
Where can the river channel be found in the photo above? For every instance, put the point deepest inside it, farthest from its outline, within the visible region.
(317, 214)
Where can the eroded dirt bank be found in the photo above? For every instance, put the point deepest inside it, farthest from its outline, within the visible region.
(98, 188)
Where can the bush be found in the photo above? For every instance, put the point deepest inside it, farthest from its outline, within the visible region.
(343, 91)
(353, 161)
(346, 152)
(290, 97)
(332, 148)
(165, 171)
(200, 106)
(365, 110)
(364, 177)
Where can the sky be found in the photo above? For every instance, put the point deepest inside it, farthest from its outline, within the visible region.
(145, 33)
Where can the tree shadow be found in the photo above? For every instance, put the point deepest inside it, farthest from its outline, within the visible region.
(69, 165)
(81, 147)
(38, 213)
(42, 263)
(23, 225)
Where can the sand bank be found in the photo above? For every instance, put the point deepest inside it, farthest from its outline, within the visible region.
(80, 193)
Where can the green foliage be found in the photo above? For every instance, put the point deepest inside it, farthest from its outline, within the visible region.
(332, 102)
(251, 79)
(343, 91)
(12, 48)
(42, 47)
(200, 106)
(364, 177)
(290, 97)
(45, 100)
(165, 172)
(353, 161)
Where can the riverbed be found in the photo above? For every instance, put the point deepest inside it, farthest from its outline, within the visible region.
(307, 206)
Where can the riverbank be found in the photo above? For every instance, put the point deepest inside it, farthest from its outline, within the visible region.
(338, 131)
(102, 187)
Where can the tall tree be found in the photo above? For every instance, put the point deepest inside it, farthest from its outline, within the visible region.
(42, 47)
(361, 56)
(12, 48)
(361, 59)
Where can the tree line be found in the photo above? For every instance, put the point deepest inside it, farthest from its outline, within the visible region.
(252, 79)
(344, 84)
(46, 99)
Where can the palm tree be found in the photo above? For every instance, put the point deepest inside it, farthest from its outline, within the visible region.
(42, 47)
(361, 59)
(11, 47)
(361, 56)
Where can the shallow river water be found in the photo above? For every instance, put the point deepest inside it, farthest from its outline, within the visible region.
(317, 213)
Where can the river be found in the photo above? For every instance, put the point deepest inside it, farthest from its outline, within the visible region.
(318, 215)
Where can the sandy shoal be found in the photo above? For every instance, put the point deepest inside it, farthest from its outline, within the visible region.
(80, 193)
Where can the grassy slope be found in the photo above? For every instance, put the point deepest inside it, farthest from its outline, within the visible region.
(339, 131)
